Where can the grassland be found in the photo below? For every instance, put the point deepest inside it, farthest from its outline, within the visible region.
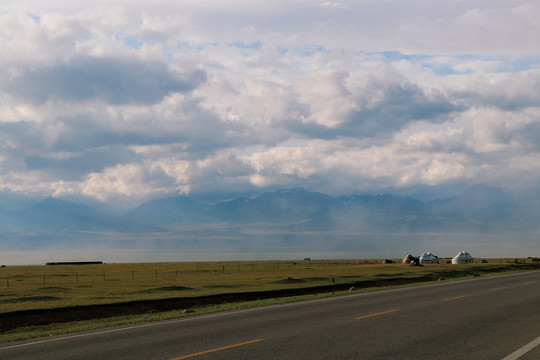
(50, 288)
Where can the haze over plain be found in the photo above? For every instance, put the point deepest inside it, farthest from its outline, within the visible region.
(116, 103)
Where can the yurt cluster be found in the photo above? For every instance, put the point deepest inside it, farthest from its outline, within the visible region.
(463, 257)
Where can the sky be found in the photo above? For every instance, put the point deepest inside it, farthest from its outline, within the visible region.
(118, 102)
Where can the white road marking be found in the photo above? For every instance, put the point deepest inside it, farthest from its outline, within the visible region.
(163, 322)
(519, 352)
(238, 311)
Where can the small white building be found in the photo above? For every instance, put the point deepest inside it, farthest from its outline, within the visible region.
(462, 257)
(428, 258)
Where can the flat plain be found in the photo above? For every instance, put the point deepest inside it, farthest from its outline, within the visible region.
(486, 317)
(49, 287)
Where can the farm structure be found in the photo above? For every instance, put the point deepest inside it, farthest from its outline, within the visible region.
(462, 257)
(428, 258)
(412, 260)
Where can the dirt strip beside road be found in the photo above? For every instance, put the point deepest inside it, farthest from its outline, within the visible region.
(35, 317)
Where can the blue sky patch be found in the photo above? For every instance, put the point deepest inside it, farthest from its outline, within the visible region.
(132, 42)
(312, 49)
(243, 45)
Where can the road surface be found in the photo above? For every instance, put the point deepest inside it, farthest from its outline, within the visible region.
(484, 318)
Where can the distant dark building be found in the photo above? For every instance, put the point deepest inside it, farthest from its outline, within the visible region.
(75, 263)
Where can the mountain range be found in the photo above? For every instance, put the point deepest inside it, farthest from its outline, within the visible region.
(481, 208)
(482, 219)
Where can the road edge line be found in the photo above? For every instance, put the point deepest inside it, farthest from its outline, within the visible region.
(523, 350)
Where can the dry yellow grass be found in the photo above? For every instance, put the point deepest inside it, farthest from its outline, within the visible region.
(35, 287)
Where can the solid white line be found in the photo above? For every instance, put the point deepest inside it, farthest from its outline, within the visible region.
(154, 323)
(117, 329)
(519, 352)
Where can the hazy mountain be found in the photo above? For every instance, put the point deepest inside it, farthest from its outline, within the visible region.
(479, 209)
(178, 209)
(386, 205)
(279, 206)
(478, 199)
(52, 215)
(385, 212)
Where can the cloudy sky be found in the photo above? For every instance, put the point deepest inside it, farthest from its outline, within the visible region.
(119, 102)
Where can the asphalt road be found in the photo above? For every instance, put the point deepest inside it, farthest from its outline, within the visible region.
(484, 318)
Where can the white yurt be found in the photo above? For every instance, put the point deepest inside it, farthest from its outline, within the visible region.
(411, 260)
(428, 258)
(407, 259)
(462, 257)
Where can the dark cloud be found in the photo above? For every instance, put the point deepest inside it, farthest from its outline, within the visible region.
(18, 132)
(197, 129)
(400, 105)
(77, 166)
(518, 92)
(23, 137)
(528, 137)
(86, 131)
(115, 81)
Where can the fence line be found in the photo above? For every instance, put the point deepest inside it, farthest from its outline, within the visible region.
(81, 275)
(86, 274)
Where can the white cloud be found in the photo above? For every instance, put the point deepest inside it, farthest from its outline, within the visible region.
(125, 100)
(478, 66)
(333, 4)
(138, 181)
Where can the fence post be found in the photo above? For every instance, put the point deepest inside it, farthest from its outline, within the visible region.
(77, 277)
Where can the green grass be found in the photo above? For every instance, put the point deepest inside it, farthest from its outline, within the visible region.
(49, 287)
(32, 287)
(30, 332)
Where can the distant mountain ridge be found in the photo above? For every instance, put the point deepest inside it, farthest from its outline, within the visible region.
(481, 208)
